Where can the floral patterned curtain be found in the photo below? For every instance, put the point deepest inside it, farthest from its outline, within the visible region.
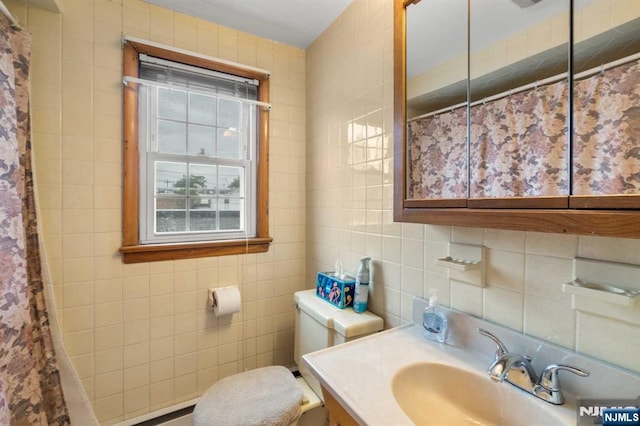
(30, 390)
(438, 156)
(519, 144)
(606, 153)
(518, 148)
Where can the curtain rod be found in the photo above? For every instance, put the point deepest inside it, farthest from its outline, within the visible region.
(128, 79)
(9, 15)
(549, 80)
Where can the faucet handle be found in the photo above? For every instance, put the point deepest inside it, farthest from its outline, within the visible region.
(501, 348)
(549, 376)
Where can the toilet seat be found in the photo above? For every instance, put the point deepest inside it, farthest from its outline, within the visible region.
(268, 396)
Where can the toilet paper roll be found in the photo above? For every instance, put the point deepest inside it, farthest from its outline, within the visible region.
(226, 301)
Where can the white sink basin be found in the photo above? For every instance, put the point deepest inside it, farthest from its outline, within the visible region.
(439, 394)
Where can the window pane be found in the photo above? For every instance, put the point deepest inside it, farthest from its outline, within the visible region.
(171, 215)
(231, 213)
(202, 140)
(229, 113)
(170, 177)
(202, 109)
(202, 214)
(230, 181)
(228, 143)
(203, 179)
(172, 137)
(172, 104)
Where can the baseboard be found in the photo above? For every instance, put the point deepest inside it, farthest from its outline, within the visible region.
(161, 416)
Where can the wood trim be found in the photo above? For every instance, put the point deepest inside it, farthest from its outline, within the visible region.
(131, 160)
(262, 201)
(436, 203)
(195, 61)
(627, 201)
(608, 223)
(132, 251)
(338, 415)
(561, 202)
(399, 110)
(158, 252)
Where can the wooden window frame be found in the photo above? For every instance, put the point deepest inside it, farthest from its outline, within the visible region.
(134, 252)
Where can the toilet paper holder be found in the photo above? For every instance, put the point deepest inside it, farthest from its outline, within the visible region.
(224, 300)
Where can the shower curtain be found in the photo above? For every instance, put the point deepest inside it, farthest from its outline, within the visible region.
(30, 389)
(519, 142)
(518, 148)
(606, 153)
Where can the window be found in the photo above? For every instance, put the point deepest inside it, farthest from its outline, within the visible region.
(195, 180)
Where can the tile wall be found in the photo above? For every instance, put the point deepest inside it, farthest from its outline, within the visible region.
(349, 210)
(139, 335)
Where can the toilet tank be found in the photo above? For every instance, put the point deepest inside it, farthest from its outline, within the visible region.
(321, 325)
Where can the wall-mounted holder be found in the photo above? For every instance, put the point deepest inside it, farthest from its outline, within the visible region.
(602, 292)
(465, 263)
(610, 282)
(458, 264)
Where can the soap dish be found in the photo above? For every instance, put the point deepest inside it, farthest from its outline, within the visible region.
(603, 292)
(458, 264)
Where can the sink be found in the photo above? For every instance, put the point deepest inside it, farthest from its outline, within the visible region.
(418, 382)
(439, 394)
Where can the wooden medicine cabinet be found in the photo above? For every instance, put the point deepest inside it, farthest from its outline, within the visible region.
(520, 118)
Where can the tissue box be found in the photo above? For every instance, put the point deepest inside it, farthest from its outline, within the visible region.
(338, 292)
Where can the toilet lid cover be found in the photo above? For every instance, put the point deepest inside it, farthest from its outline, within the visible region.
(268, 396)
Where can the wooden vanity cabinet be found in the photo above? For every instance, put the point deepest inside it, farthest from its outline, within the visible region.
(338, 415)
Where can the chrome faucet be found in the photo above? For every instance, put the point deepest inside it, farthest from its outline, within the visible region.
(517, 370)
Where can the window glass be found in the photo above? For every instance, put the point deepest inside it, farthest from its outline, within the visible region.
(202, 109)
(172, 137)
(172, 104)
(202, 140)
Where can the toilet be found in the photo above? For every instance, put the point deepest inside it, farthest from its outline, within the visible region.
(271, 395)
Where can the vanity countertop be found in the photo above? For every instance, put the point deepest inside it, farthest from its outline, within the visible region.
(359, 374)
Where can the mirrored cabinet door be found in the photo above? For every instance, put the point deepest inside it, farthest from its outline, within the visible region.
(436, 103)
(519, 104)
(606, 105)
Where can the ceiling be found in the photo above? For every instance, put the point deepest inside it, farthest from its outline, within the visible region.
(293, 22)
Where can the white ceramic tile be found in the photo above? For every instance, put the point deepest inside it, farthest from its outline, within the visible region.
(545, 276)
(624, 250)
(505, 269)
(392, 249)
(440, 283)
(466, 298)
(502, 239)
(412, 281)
(473, 236)
(504, 307)
(558, 245)
(603, 337)
(412, 253)
(550, 319)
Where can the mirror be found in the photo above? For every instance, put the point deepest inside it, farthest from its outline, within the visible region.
(606, 102)
(600, 209)
(519, 99)
(436, 100)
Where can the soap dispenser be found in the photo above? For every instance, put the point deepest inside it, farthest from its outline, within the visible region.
(434, 321)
